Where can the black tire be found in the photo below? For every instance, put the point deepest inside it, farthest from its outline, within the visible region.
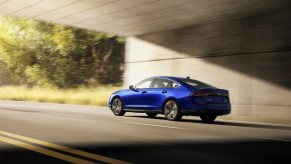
(152, 115)
(208, 118)
(117, 107)
(172, 111)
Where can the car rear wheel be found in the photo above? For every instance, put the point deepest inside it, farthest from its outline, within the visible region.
(172, 111)
(117, 108)
(152, 115)
(208, 118)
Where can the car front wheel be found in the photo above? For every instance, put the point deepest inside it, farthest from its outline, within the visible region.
(117, 108)
(208, 118)
(172, 111)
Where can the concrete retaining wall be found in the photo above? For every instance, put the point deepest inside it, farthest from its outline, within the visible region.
(250, 56)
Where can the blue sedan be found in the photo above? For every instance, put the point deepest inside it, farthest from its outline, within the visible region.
(173, 97)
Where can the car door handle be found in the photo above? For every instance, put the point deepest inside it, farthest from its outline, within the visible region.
(144, 92)
(164, 91)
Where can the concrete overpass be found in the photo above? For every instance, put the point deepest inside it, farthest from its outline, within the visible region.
(243, 46)
(136, 17)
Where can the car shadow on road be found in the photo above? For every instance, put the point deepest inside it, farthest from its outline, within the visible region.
(224, 123)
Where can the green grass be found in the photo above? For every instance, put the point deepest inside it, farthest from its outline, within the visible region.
(84, 96)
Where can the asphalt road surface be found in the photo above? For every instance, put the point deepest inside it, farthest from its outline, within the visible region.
(53, 133)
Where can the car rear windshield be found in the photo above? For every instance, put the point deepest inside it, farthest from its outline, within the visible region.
(194, 83)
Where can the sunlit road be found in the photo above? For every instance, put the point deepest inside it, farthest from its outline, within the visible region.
(50, 133)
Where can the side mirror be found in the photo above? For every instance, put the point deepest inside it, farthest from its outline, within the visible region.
(131, 87)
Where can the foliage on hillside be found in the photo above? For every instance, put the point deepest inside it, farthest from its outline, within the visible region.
(84, 96)
(45, 54)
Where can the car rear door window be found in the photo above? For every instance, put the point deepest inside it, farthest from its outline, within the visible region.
(163, 83)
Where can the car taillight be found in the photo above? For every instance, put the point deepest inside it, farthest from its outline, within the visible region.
(200, 94)
(209, 94)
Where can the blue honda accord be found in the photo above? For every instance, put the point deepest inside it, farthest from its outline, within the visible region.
(173, 97)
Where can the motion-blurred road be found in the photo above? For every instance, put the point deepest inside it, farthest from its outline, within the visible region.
(53, 133)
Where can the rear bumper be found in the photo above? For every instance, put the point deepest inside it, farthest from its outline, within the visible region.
(218, 112)
(216, 109)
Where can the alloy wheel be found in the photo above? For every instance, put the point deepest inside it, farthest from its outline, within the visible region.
(171, 110)
(117, 107)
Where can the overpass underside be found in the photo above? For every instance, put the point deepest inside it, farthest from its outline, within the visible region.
(243, 46)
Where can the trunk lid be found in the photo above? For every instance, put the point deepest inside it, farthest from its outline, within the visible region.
(213, 95)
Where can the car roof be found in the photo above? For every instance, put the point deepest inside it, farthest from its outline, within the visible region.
(167, 77)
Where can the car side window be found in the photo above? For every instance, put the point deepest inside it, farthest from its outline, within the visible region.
(144, 84)
(163, 83)
(175, 85)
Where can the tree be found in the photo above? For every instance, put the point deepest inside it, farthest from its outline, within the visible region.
(40, 53)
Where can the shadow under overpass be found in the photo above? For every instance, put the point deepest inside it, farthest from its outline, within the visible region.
(234, 151)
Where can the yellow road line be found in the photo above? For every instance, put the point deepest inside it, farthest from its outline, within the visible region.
(65, 149)
(44, 151)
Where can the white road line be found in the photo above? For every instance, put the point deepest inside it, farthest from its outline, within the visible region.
(66, 115)
(161, 126)
(275, 139)
(252, 122)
